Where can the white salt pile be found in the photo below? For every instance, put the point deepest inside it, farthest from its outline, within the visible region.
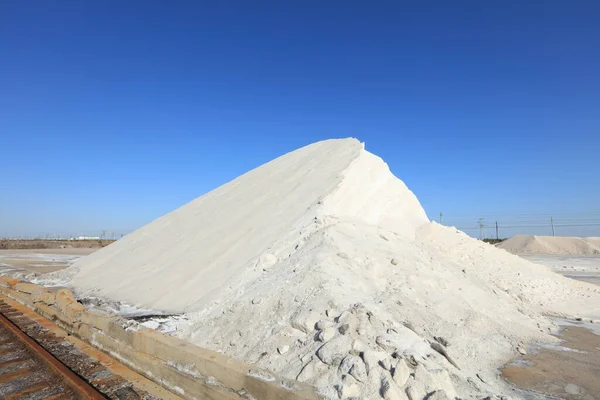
(322, 266)
(181, 261)
(523, 244)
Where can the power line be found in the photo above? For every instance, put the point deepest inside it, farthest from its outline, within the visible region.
(533, 226)
(481, 228)
(585, 214)
(563, 218)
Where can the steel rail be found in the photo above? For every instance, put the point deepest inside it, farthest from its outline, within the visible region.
(71, 379)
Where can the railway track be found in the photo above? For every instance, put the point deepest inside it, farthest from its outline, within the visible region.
(36, 363)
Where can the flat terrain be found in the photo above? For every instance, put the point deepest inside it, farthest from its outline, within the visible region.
(11, 244)
(569, 370)
(582, 268)
(41, 256)
(39, 261)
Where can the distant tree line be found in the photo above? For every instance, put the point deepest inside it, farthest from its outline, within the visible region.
(494, 241)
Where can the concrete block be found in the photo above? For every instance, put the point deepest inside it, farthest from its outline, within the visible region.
(23, 298)
(97, 319)
(113, 326)
(46, 311)
(83, 332)
(179, 366)
(64, 297)
(73, 312)
(29, 288)
(46, 298)
(53, 315)
(234, 374)
(8, 282)
(117, 330)
(190, 386)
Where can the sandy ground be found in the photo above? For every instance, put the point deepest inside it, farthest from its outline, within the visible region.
(569, 370)
(22, 244)
(39, 261)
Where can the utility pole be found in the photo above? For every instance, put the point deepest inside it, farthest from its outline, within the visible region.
(441, 218)
(497, 237)
(552, 223)
(481, 229)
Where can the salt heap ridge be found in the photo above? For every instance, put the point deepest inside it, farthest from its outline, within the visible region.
(533, 244)
(180, 259)
(322, 266)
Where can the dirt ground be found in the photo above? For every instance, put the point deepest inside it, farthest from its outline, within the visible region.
(52, 244)
(569, 371)
(39, 261)
(41, 256)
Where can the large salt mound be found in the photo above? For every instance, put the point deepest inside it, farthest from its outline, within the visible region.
(175, 262)
(357, 308)
(321, 266)
(522, 244)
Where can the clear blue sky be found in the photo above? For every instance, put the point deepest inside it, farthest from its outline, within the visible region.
(113, 113)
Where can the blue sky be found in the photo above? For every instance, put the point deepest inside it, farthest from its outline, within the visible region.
(113, 113)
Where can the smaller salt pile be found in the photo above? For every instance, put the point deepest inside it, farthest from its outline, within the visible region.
(531, 244)
(322, 266)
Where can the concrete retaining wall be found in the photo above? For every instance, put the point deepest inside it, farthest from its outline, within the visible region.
(181, 367)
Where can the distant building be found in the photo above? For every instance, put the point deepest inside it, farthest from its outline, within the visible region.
(85, 238)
